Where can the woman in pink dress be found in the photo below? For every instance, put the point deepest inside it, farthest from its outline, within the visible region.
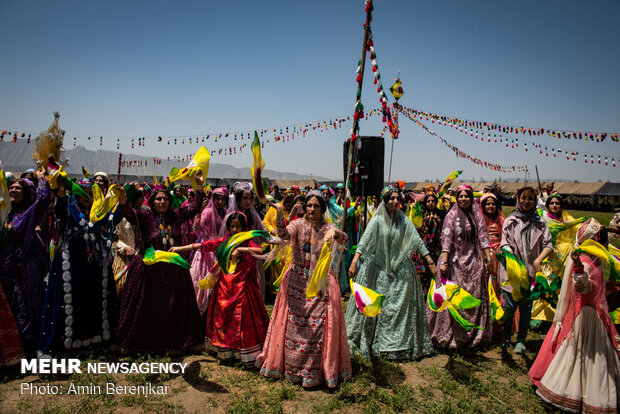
(465, 253)
(210, 226)
(578, 366)
(307, 339)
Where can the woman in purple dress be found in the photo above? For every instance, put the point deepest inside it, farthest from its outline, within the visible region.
(158, 306)
(465, 251)
(24, 259)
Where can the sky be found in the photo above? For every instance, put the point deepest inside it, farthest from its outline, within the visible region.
(129, 69)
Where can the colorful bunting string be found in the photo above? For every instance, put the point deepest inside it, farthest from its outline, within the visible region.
(513, 143)
(462, 154)
(493, 126)
(385, 109)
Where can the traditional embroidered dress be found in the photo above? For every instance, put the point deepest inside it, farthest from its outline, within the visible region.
(400, 331)
(306, 341)
(236, 317)
(464, 245)
(80, 300)
(578, 366)
(24, 262)
(158, 307)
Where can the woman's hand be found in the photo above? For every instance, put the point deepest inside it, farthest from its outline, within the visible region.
(353, 269)
(488, 262)
(576, 259)
(443, 263)
(537, 265)
(200, 181)
(235, 253)
(175, 249)
(40, 173)
(432, 268)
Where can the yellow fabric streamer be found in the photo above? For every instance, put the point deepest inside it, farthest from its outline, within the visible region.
(611, 266)
(55, 177)
(368, 302)
(103, 205)
(317, 283)
(496, 306)
(209, 281)
(516, 275)
(200, 162)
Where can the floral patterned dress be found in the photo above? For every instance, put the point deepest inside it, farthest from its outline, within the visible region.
(306, 341)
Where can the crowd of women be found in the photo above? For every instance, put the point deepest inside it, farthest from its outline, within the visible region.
(144, 275)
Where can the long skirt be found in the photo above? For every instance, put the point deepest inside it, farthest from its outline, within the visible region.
(236, 318)
(158, 309)
(400, 331)
(80, 309)
(306, 341)
(584, 374)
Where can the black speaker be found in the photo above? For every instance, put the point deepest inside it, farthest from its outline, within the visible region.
(370, 152)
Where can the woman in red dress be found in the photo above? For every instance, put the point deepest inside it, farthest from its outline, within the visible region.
(236, 317)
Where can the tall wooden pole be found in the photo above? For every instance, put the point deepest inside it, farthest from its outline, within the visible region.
(120, 161)
(355, 120)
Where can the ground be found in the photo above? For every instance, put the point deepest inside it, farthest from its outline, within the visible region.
(487, 380)
(465, 381)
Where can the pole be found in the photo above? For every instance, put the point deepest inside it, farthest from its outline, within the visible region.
(120, 159)
(390, 170)
(395, 117)
(538, 178)
(356, 121)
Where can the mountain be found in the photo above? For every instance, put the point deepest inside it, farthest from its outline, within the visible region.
(17, 157)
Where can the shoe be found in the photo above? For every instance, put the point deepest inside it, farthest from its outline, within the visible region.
(506, 344)
(520, 348)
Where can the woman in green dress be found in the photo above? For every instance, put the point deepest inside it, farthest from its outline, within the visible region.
(400, 331)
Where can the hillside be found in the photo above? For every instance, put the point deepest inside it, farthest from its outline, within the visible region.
(17, 157)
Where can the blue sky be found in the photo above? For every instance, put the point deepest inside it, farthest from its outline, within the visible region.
(123, 69)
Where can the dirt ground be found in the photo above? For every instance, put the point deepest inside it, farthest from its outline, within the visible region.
(464, 381)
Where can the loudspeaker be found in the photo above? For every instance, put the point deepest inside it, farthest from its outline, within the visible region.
(370, 152)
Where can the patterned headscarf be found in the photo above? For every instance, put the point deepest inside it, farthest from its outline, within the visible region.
(85, 182)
